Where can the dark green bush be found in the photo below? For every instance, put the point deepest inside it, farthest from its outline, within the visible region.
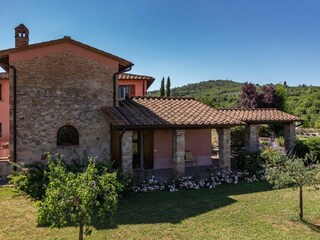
(237, 136)
(32, 179)
(252, 162)
(309, 146)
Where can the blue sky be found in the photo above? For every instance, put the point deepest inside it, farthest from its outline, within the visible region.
(261, 41)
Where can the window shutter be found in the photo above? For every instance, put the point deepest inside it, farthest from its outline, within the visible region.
(132, 90)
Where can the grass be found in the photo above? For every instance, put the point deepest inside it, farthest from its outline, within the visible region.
(243, 211)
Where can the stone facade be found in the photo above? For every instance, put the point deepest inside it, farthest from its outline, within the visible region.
(178, 153)
(289, 136)
(252, 138)
(126, 152)
(224, 137)
(57, 90)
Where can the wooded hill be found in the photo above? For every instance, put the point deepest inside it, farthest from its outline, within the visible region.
(302, 100)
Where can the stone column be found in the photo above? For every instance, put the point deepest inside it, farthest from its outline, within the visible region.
(289, 136)
(126, 152)
(252, 138)
(178, 154)
(224, 137)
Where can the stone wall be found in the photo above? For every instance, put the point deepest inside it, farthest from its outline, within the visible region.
(224, 138)
(178, 154)
(62, 89)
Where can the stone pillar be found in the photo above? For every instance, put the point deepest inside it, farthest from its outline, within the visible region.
(126, 152)
(224, 137)
(252, 138)
(178, 154)
(289, 136)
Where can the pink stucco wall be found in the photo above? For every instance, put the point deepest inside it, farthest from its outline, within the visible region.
(198, 141)
(162, 149)
(140, 85)
(4, 111)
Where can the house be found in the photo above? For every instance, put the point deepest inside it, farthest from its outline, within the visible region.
(131, 85)
(71, 98)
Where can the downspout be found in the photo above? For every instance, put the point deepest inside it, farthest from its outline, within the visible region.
(14, 114)
(115, 84)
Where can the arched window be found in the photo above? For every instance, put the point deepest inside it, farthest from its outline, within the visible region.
(67, 136)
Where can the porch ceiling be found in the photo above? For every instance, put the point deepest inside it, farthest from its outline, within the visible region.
(157, 112)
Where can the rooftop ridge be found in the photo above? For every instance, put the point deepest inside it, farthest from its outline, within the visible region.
(162, 98)
(135, 75)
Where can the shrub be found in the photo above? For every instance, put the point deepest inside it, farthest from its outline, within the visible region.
(309, 146)
(251, 162)
(237, 136)
(313, 144)
(32, 179)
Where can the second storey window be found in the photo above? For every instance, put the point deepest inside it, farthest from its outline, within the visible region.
(126, 91)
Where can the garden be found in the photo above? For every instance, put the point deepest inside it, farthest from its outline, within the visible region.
(89, 200)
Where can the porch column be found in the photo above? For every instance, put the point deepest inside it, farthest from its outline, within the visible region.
(252, 138)
(224, 136)
(289, 136)
(178, 149)
(126, 152)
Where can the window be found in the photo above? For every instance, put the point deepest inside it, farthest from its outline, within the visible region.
(67, 136)
(126, 91)
(123, 92)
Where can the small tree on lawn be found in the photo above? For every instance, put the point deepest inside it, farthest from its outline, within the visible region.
(293, 172)
(162, 90)
(71, 199)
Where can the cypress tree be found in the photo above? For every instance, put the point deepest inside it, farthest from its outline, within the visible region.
(168, 87)
(162, 91)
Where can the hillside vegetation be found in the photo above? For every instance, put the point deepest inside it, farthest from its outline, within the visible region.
(302, 100)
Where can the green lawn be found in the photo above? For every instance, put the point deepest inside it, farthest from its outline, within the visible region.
(243, 211)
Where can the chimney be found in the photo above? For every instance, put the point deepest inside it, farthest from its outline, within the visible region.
(21, 36)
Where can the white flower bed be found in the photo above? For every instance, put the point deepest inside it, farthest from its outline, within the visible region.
(188, 182)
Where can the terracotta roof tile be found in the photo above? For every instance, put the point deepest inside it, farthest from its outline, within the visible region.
(130, 76)
(167, 112)
(4, 75)
(260, 115)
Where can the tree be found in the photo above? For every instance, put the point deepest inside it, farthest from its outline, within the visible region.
(280, 97)
(267, 96)
(249, 97)
(162, 90)
(71, 198)
(293, 172)
(168, 85)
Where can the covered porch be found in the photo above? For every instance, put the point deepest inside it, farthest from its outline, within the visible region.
(173, 134)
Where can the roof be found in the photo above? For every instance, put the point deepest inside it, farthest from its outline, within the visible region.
(129, 76)
(4, 75)
(124, 63)
(260, 115)
(167, 112)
